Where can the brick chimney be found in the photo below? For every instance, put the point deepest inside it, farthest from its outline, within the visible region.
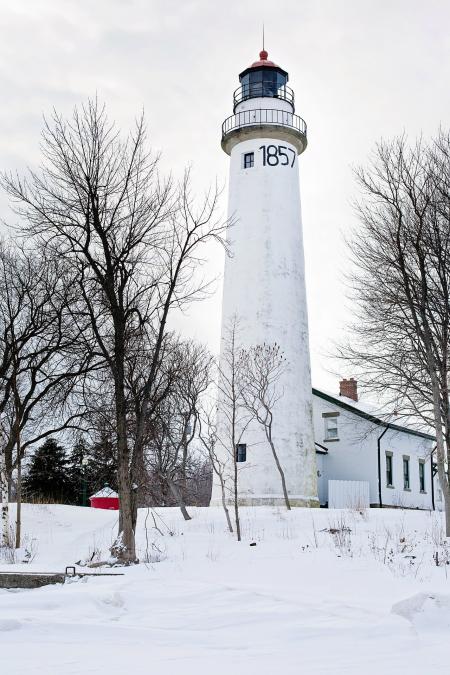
(349, 388)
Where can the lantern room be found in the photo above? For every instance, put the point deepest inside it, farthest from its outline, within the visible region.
(263, 79)
(263, 107)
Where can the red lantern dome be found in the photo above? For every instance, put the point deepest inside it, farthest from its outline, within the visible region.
(263, 61)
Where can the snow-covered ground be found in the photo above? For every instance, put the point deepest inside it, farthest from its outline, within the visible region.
(366, 600)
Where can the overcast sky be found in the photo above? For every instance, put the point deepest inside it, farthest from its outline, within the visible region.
(361, 70)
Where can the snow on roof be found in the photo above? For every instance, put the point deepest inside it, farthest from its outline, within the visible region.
(105, 492)
(364, 406)
(378, 415)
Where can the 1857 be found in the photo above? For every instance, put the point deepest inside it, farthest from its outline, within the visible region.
(276, 154)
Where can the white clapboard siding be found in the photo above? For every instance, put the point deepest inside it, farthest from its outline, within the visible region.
(348, 494)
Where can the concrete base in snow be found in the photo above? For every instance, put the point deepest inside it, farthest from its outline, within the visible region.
(32, 580)
(270, 501)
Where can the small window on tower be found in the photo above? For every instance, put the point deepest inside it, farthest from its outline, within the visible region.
(249, 160)
(241, 452)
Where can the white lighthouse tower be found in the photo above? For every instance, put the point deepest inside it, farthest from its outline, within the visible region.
(264, 282)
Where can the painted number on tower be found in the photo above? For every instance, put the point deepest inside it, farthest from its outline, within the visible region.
(276, 154)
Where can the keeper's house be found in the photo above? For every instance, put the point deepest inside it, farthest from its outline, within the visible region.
(353, 444)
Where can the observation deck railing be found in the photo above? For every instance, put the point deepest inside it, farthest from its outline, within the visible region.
(249, 118)
(262, 90)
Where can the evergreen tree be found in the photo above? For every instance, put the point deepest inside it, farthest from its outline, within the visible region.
(103, 464)
(89, 467)
(79, 472)
(47, 476)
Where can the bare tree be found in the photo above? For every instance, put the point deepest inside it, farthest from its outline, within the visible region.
(208, 438)
(263, 366)
(133, 242)
(192, 385)
(400, 336)
(234, 416)
(39, 363)
(173, 424)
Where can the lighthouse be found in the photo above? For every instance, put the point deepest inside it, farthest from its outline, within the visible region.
(264, 282)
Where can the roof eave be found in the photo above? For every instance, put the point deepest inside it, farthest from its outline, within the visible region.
(369, 417)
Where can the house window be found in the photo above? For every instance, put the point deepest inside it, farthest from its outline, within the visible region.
(389, 472)
(422, 475)
(406, 485)
(249, 160)
(241, 452)
(331, 428)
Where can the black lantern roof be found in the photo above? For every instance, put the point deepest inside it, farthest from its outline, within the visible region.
(264, 64)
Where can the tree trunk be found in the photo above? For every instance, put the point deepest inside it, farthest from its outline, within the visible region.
(176, 492)
(183, 468)
(8, 453)
(279, 467)
(125, 546)
(4, 541)
(19, 497)
(440, 448)
(19, 459)
(137, 474)
(236, 503)
(127, 551)
(224, 503)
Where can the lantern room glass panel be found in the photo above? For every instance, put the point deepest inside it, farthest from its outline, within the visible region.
(263, 82)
